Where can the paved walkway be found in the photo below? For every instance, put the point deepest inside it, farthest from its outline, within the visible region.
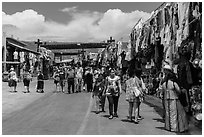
(53, 113)
(12, 102)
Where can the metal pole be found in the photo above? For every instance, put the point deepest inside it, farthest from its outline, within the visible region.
(4, 44)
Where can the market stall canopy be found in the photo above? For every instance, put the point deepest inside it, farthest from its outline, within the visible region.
(63, 45)
(20, 45)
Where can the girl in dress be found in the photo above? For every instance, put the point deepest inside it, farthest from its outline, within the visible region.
(131, 85)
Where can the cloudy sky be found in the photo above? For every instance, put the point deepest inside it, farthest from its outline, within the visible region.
(73, 22)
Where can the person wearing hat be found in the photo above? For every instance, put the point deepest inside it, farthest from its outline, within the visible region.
(175, 115)
(12, 80)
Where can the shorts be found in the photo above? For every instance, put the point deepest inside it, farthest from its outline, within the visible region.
(12, 83)
(26, 82)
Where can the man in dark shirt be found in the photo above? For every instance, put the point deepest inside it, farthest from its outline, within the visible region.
(89, 80)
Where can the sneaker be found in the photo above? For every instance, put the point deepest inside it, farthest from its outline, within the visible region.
(110, 117)
(139, 118)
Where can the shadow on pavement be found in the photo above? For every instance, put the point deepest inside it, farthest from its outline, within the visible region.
(94, 111)
(177, 133)
(159, 120)
(106, 116)
(126, 120)
(156, 108)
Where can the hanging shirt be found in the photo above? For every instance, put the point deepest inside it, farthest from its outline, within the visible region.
(15, 54)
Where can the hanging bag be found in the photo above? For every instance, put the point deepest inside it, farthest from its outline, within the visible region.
(137, 92)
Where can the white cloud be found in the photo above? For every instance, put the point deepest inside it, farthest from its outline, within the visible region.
(85, 26)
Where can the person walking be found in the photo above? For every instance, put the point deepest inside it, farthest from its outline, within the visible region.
(56, 77)
(62, 79)
(142, 88)
(79, 73)
(89, 80)
(133, 89)
(40, 82)
(103, 96)
(98, 90)
(113, 91)
(26, 80)
(12, 82)
(70, 79)
(175, 115)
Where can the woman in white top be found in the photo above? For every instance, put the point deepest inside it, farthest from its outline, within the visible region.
(113, 92)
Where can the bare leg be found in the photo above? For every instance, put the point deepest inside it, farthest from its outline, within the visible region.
(135, 106)
(130, 110)
(14, 88)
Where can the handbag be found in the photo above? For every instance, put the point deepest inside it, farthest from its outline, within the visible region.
(182, 97)
(136, 91)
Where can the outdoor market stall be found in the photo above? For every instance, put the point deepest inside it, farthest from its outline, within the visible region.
(173, 35)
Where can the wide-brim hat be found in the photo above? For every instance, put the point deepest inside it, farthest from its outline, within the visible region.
(167, 67)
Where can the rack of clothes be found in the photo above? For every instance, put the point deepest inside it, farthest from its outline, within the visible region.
(173, 34)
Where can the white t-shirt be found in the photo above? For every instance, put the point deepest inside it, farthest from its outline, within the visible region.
(79, 72)
(15, 54)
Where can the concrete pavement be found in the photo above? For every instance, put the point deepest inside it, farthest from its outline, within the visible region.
(69, 114)
(12, 102)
